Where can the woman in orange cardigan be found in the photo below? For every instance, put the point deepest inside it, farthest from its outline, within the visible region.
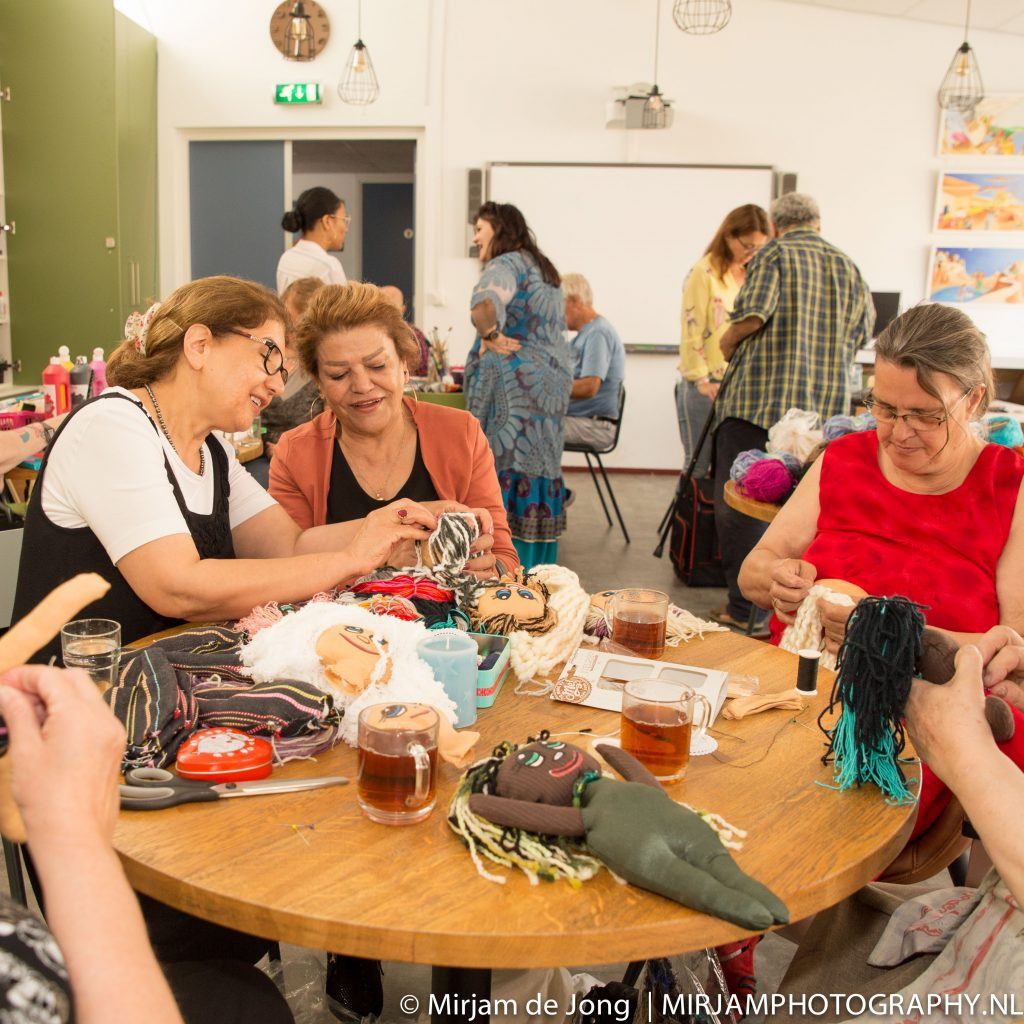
(371, 445)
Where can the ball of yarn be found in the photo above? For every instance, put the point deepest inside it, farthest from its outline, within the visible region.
(839, 426)
(1004, 429)
(865, 421)
(791, 462)
(742, 463)
(768, 480)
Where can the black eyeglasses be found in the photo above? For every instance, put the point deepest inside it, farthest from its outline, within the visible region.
(273, 358)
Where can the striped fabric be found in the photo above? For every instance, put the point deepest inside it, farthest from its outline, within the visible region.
(193, 680)
(817, 312)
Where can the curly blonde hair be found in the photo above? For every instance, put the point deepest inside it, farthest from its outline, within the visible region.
(223, 304)
(344, 307)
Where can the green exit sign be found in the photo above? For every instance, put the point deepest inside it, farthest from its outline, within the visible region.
(297, 92)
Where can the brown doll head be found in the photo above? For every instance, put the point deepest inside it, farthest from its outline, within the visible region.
(350, 655)
(544, 772)
(512, 603)
(601, 598)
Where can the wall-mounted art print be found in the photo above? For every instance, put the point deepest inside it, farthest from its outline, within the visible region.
(980, 201)
(983, 276)
(994, 128)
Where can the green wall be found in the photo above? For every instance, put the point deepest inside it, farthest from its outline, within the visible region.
(60, 170)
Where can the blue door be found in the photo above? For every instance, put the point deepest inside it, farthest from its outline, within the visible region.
(236, 200)
(388, 218)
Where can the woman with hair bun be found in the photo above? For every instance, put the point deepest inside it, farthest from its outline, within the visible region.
(136, 487)
(321, 217)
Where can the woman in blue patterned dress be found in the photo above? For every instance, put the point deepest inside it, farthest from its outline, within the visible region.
(519, 375)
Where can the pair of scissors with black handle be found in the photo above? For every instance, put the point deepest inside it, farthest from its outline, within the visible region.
(150, 789)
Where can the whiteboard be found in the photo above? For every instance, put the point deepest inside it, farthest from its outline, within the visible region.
(632, 230)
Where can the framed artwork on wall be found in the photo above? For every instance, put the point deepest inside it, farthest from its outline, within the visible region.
(995, 128)
(976, 276)
(980, 201)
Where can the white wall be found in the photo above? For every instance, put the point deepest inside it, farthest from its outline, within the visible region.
(845, 100)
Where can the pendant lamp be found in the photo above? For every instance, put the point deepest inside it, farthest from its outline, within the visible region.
(702, 17)
(655, 108)
(961, 87)
(299, 39)
(359, 85)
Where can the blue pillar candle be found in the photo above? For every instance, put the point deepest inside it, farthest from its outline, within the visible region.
(452, 659)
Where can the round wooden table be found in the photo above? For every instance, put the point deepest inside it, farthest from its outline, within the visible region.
(765, 511)
(308, 868)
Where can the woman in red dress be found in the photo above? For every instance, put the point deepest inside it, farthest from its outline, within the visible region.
(921, 506)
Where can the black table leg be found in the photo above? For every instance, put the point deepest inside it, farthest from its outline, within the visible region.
(459, 994)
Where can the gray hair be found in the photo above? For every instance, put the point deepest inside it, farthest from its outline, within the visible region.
(794, 209)
(577, 286)
(931, 339)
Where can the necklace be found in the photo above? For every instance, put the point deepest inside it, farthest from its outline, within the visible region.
(167, 433)
(377, 493)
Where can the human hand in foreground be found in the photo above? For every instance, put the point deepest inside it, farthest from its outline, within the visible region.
(65, 749)
(947, 723)
(1002, 650)
(791, 580)
(834, 618)
(385, 529)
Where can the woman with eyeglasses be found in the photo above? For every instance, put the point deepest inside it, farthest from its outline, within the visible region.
(322, 219)
(137, 487)
(709, 292)
(921, 506)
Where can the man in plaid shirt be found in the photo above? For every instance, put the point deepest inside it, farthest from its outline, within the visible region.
(803, 312)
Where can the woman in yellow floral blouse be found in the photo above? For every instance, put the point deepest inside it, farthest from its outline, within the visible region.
(708, 296)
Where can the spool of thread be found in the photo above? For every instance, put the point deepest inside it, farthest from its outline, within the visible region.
(839, 426)
(768, 480)
(742, 463)
(807, 671)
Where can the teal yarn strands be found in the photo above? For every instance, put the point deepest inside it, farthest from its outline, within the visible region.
(875, 669)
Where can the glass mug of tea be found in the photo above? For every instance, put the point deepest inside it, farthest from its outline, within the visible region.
(397, 780)
(636, 619)
(657, 723)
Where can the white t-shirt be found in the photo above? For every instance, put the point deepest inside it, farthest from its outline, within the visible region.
(106, 471)
(307, 259)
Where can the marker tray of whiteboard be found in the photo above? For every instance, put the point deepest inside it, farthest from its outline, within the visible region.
(596, 679)
(490, 681)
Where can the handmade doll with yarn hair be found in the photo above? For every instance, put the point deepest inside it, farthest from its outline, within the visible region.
(510, 807)
(541, 610)
(360, 659)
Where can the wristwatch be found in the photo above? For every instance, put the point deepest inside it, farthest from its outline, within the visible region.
(491, 334)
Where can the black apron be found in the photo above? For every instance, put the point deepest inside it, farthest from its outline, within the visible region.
(51, 554)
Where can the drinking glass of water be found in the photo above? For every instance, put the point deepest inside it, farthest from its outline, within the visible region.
(95, 645)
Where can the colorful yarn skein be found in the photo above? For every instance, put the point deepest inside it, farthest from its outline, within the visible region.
(742, 463)
(1000, 428)
(768, 480)
(839, 426)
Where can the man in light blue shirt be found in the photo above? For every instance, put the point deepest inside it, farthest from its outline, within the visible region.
(600, 368)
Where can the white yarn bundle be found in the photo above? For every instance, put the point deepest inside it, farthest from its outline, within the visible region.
(806, 632)
(287, 650)
(798, 433)
(535, 655)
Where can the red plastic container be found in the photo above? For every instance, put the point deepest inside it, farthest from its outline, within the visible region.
(224, 755)
(57, 386)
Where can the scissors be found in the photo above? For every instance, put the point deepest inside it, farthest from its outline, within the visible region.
(149, 789)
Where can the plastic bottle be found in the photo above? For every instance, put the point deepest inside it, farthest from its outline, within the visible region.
(81, 378)
(57, 387)
(99, 371)
(64, 354)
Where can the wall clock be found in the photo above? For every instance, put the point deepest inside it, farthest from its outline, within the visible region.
(299, 45)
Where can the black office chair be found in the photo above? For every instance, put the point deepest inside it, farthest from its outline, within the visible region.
(588, 452)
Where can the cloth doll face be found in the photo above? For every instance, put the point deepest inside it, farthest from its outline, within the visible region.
(350, 655)
(400, 717)
(506, 605)
(544, 772)
(600, 600)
